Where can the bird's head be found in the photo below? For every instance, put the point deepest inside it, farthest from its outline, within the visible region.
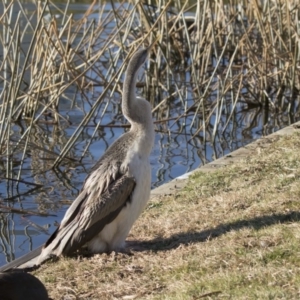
(140, 57)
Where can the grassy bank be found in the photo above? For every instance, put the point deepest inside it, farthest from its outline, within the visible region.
(230, 234)
(217, 65)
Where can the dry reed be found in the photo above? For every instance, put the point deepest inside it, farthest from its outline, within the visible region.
(217, 64)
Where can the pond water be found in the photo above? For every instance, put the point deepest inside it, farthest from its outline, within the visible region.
(50, 191)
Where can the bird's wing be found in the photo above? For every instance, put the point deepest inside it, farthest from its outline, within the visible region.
(104, 194)
(89, 216)
(100, 178)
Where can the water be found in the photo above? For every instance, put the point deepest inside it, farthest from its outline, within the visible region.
(50, 191)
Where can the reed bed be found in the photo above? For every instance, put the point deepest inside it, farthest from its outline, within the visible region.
(218, 69)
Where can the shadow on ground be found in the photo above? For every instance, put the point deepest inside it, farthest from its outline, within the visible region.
(185, 238)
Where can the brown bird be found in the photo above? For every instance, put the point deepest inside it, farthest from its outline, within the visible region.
(21, 286)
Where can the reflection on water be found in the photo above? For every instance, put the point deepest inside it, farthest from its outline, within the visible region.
(179, 148)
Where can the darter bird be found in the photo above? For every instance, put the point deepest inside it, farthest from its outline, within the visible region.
(114, 193)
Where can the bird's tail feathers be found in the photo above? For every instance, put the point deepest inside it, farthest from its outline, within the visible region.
(59, 245)
(17, 263)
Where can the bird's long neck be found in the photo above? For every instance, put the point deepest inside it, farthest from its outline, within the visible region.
(137, 111)
(129, 99)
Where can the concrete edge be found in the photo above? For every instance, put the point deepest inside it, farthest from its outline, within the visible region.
(180, 182)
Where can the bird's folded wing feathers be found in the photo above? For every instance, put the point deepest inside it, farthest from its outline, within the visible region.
(92, 214)
(86, 219)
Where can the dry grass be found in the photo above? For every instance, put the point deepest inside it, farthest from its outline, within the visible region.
(230, 71)
(231, 234)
